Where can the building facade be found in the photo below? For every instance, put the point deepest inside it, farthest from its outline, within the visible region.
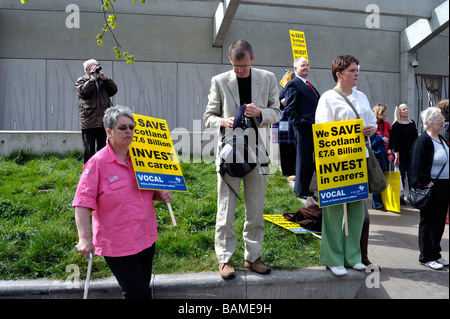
(179, 45)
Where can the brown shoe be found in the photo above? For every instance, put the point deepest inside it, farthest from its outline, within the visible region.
(226, 270)
(258, 266)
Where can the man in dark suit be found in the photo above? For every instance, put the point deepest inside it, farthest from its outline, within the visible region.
(301, 103)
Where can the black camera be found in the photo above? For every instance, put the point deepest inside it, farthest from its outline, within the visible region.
(97, 68)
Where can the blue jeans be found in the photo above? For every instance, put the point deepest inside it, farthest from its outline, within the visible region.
(406, 169)
(377, 203)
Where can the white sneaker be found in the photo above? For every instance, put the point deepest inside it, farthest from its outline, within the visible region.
(442, 261)
(433, 265)
(359, 266)
(338, 270)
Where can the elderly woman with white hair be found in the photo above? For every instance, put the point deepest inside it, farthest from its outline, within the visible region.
(124, 226)
(430, 166)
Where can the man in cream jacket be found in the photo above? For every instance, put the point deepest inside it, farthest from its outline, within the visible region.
(257, 90)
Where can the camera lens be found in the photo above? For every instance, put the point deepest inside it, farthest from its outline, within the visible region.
(98, 68)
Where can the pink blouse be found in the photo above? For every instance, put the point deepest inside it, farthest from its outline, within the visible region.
(123, 216)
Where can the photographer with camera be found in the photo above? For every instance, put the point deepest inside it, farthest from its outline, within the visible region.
(94, 92)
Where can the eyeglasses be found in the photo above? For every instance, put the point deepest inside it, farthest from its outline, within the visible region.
(237, 67)
(124, 127)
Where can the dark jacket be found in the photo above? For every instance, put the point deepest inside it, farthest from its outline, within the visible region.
(422, 153)
(402, 138)
(301, 103)
(93, 102)
(379, 149)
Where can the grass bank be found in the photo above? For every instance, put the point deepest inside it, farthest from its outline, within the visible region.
(38, 231)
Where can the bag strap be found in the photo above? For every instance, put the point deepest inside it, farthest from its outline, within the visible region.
(440, 138)
(232, 189)
(353, 108)
(346, 100)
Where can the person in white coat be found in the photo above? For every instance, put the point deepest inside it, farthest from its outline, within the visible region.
(338, 250)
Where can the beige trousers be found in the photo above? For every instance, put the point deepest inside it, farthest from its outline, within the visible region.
(254, 195)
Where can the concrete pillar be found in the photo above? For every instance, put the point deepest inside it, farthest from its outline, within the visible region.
(408, 93)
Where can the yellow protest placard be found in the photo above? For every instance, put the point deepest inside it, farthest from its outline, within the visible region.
(340, 157)
(155, 161)
(298, 43)
(279, 220)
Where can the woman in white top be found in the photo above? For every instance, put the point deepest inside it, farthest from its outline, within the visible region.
(337, 249)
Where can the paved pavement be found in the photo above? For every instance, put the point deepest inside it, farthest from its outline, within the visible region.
(393, 245)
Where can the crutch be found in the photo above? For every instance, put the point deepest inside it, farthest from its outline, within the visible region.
(88, 275)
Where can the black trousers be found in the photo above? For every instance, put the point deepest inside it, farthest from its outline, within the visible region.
(91, 137)
(133, 273)
(288, 154)
(432, 222)
(304, 167)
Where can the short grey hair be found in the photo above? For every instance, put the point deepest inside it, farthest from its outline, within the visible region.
(429, 114)
(86, 63)
(297, 61)
(113, 113)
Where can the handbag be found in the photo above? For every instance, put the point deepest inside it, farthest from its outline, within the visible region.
(420, 197)
(375, 175)
(237, 157)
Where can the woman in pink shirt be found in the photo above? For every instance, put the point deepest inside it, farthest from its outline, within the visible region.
(123, 216)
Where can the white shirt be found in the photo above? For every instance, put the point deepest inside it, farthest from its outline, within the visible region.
(332, 108)
(440, 158)
(304, 80)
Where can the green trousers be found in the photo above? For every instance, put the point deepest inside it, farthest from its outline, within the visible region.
(337, 249)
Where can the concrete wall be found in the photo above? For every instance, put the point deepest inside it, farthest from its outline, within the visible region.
(40, 58)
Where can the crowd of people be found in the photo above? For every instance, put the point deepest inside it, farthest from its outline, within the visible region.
(124, 225)
(398, 147)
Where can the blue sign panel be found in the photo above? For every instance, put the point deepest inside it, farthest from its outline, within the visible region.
(160, 181)
(345, 194)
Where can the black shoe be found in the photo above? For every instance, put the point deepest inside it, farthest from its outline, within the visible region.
(402, 201)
